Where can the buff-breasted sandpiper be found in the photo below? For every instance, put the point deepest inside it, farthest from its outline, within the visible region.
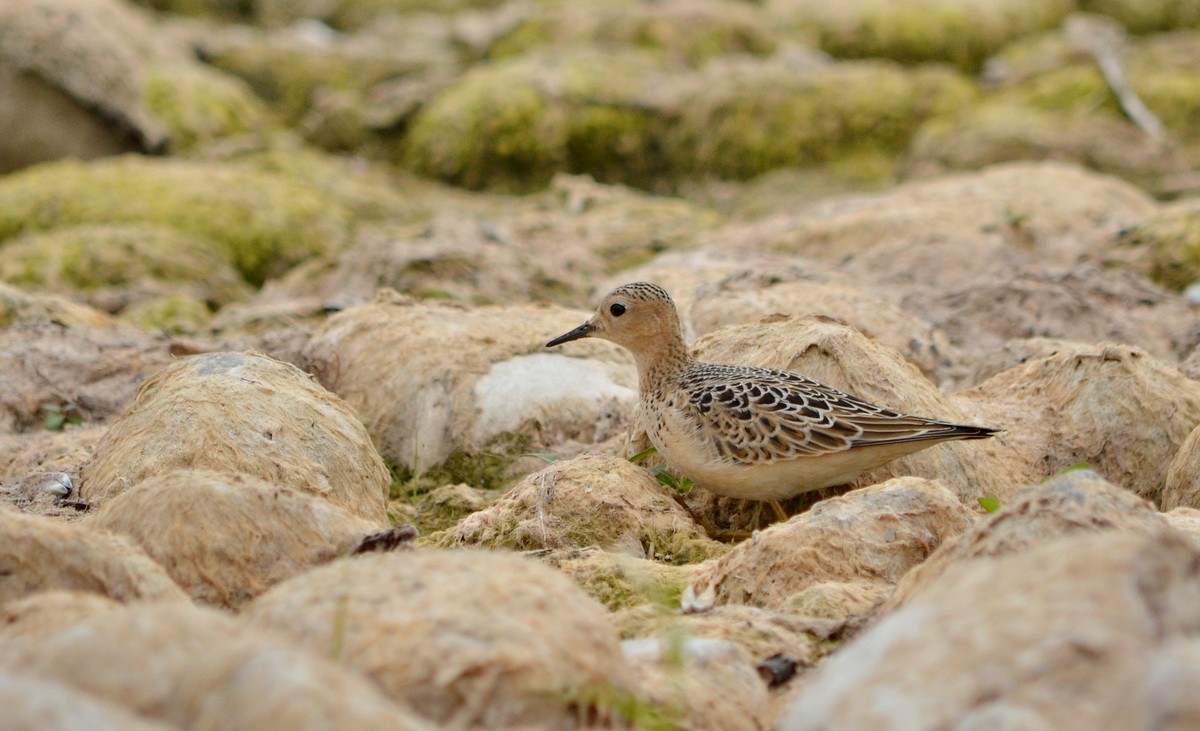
(746, 432)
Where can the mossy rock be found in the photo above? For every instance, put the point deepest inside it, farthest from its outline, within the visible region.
(1046, 72)
(18, 306)
(368, 192)
(741, 119)
(108, 62)
(262, 223)
(1147, 16)
(690, 31)
(288, 72)
(962, 32)
(91, 258)
(631, 227)
(588, 501)
(511, 124)
(1167, 246)
(444, 506)
(220, 9)
(199, 105)
(620, 582)
(1000, 131)
(176, 314)
(349, 14)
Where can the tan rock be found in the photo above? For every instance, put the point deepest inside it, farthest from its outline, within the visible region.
(19, 306)
(1168, 693)
(919, 342)
(1186, 521)
(927, 233)
(97, 77)
(39, 471)
(839, 356)
(438, 380)
(1002, 129)
(471, 638)
(1061, 635)
(701, 683)
(871, 535)
(838, 600)
(1082, 303)
(50, 612)
(40, 554)
(763, 633)
(85, 371)
(1116, 408)
(1078, 501)
(197, 668)
(1182, 488)
(225, 538)
(591, 500)
(242, 412)
(1013, 353)
(33, 704)
(87, 65)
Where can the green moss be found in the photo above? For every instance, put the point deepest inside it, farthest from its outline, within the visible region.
(490, 129)
(1077, 87)
(262, 223)
(287, 73)
(93, 257)
(178, 313)
(686, 33)
(222, 9)
(1146, 16)
(1174, 96)
(510, 125)
(199, 105)
(1161, 70)
(369, 193)
(962, 33)
(1167, 246)
(485, 470)
(746, 120)
(618, 581)
(530, 34)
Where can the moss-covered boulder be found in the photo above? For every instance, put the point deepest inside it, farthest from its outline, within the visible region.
(1005, 130)
(173, 313)
(738, 118)
(285, 67)
(591, 500)
(1166, 247)
(620, 581)
(261, 223)
(87, 78)
(512, 124)
(1049, 72)
(963, 32)
(1145, 16)
(116, 266)
(343, 14)
(690, 31)
(368, 192)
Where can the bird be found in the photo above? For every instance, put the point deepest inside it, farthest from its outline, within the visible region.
(743, 431)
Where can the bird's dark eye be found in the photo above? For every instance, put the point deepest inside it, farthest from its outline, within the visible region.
(617, 309)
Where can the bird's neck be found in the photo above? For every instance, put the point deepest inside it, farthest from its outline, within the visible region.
(660, 361)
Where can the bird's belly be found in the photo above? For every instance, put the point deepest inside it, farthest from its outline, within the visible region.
(691, 456)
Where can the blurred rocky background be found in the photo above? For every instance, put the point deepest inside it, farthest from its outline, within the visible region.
(275, 280)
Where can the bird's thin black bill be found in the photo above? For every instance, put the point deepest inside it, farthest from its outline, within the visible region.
(580, 332)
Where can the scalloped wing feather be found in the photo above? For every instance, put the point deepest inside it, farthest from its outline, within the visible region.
(757, 415)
